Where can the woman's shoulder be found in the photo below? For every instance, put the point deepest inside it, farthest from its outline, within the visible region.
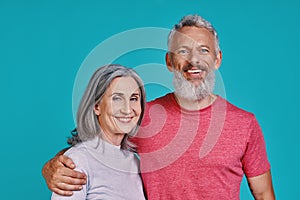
(79, 156)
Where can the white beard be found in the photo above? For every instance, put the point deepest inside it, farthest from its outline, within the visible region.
(184, 89)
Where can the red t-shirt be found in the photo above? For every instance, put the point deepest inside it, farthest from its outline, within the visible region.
(198, 154)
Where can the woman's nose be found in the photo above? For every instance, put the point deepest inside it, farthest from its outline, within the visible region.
(126, 108)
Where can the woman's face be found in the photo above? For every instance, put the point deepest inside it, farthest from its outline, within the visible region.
(120, 108)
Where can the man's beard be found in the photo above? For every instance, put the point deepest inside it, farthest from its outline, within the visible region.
(185, 89)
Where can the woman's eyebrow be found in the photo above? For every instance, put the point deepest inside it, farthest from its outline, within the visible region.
(136, 94)
(122, 94)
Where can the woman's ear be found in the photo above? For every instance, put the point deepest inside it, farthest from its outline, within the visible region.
(97, 109)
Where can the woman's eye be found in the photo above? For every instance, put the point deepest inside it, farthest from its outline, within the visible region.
(116, 98)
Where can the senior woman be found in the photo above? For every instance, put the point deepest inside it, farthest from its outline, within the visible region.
(109, 113)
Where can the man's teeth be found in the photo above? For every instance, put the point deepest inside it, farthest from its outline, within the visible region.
(194, 71)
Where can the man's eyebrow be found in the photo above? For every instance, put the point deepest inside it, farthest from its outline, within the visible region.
(183, 46)
(204, 45)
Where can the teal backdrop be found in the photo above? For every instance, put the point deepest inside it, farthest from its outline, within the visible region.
(44, 44)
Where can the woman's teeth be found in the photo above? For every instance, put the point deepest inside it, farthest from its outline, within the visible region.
(124, 119)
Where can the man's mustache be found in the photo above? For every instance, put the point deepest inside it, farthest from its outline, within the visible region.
(190, 66)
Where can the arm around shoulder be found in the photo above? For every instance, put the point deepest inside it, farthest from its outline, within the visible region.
(60, 175)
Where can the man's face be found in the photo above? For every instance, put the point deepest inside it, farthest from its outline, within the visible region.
(192, 53)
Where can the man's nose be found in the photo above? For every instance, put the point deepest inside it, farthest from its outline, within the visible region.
(194, 57)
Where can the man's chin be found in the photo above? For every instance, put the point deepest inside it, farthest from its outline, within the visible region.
(192, 88)
(196, 82)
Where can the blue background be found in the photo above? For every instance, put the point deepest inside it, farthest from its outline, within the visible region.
(43, 44)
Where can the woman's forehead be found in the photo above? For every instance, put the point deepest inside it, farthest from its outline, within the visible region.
(124, 84)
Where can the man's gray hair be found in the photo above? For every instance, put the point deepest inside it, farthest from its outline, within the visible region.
(197, 21)
(87, 122)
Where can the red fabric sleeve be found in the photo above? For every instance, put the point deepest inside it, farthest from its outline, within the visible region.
(255, 161)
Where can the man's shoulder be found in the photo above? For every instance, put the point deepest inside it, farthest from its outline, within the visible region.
(161, 100)
(237, 111)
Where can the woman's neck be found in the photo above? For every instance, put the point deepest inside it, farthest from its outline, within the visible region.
(114, 139)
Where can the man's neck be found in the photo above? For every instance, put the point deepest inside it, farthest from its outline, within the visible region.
(195, 104)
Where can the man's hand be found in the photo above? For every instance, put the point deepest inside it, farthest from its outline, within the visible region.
(61, 177)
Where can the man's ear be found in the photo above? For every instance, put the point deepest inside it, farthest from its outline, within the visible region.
(97, 109)
(218, 60)
(169, 61)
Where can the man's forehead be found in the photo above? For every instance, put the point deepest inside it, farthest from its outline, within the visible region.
(192, 36)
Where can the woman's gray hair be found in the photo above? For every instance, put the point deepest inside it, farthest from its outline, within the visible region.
(197, 21)
(87, 122)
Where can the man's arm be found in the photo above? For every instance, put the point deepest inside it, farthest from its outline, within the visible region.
(60, 175)
(261, 187)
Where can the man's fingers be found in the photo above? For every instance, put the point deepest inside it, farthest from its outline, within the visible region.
(66, 185)
(66, 161)
(70, 178)
(69, 187)
(62, 192)
(71, 173)
(61, 177)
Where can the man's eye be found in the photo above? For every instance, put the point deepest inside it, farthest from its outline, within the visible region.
(204, 50)
(182, 51)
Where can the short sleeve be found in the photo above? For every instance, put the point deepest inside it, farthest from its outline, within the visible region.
(255, 161)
